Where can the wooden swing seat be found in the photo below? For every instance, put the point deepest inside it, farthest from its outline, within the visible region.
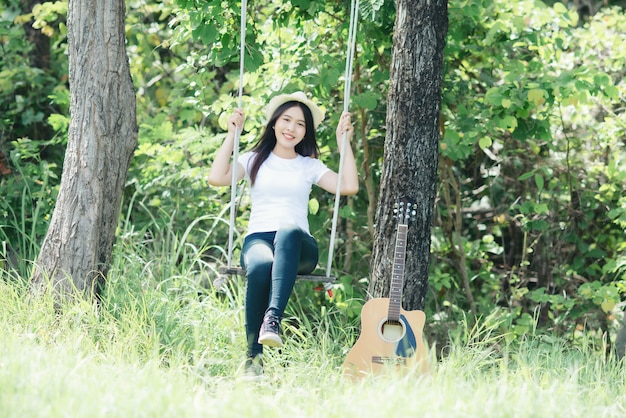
(307, 277)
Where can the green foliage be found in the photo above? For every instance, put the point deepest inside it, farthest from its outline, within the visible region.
(529, 119)
(25, 212)
(34, 105)
(27, 75)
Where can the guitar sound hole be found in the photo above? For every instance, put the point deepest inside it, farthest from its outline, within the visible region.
(391, 331)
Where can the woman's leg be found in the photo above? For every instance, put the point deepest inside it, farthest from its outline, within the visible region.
(257, 257)
(295, 252)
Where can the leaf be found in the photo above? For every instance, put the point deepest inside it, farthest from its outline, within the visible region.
(494, 96)
(314, 206)
(484, 142)
(602, 80)
(507, 122)
(537, 96)
(367, 100)
(607, 305)
(560, 8)
(347, 212)
(611, 92)
(541, 208)
(539, 181)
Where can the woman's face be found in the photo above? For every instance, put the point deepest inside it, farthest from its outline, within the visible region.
(290, 129)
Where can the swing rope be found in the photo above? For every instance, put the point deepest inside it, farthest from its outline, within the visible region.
(235, 166)
(328, 279)
(354, 11)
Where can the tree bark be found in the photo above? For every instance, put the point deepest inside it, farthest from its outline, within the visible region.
(411, 145)
(76, 253)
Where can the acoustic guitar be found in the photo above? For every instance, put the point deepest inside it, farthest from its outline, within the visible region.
(391, 338)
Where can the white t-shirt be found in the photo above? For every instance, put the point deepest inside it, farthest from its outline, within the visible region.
(280, 194)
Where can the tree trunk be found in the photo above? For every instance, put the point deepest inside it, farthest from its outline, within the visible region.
(76, 253)
(411, 145)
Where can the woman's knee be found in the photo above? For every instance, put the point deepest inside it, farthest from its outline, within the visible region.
(306, 266)
(256, 252)
(259, 268)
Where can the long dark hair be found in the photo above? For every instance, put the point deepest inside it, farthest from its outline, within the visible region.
(307, 147)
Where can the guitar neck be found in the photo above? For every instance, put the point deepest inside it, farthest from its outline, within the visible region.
(397, 275)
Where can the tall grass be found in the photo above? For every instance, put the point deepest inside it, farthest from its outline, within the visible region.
(164, 343)
(21, 230)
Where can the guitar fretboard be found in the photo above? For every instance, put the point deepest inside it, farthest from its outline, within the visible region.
(397, 275)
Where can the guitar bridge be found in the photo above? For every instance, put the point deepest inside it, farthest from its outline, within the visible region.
(389, 361)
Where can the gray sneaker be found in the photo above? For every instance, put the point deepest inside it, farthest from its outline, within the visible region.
(270, 332)
(253, 369)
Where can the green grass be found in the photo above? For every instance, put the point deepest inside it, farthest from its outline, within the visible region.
(163, 343)
(161, 352)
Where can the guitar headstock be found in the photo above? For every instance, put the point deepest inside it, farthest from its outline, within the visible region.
(404, 210)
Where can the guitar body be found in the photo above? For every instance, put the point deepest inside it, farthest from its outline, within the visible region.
(385, 345)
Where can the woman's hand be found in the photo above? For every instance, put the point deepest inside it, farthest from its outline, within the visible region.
(345, 125)
(349, 176)
(220, 173)
(235, 121)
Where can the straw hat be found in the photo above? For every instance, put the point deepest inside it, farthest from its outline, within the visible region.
(275, 102)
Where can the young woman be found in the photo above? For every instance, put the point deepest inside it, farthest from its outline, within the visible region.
(281, 169)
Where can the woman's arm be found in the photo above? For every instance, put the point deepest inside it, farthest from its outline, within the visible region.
(221, 170)
(350, 176)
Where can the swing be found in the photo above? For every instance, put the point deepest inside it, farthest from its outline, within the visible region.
(327, 279)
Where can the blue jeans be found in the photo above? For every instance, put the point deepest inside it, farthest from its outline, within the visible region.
(272, 261)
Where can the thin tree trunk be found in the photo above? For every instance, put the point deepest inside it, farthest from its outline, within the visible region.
(411, 145)
(368, 180)
(76, 252)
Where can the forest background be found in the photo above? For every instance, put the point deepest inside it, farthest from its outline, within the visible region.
(529, 229)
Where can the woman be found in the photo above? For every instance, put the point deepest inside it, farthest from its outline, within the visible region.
(281, 169)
